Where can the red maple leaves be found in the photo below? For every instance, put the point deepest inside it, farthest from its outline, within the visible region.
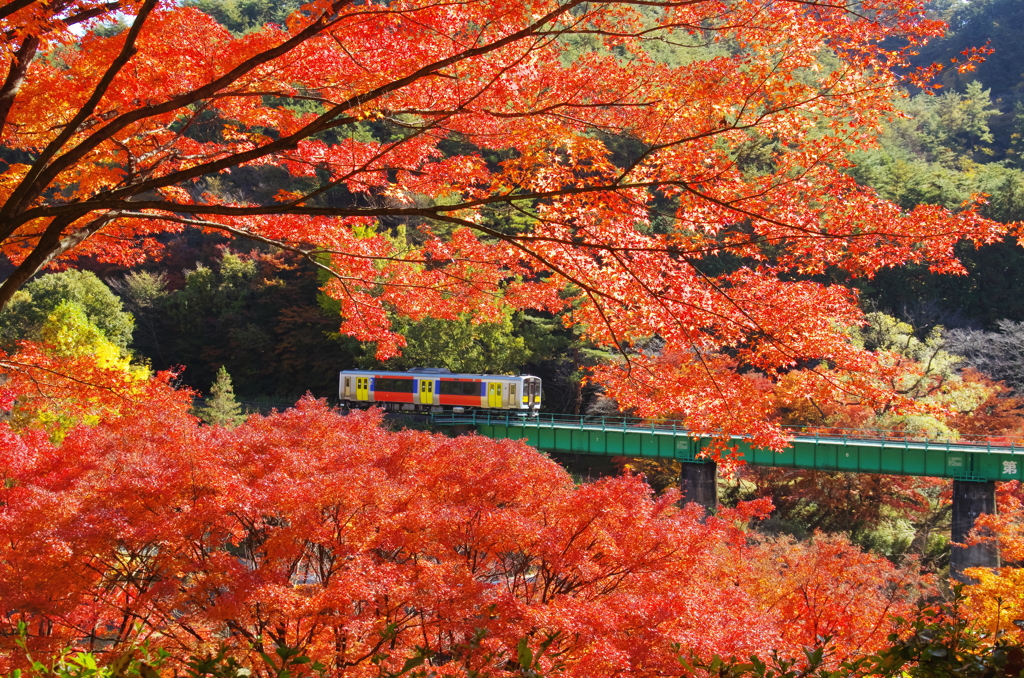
(331, 534)
(634, 172)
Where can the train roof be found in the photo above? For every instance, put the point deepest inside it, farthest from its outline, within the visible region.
(435, 374)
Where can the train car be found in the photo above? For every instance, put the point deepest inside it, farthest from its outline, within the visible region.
(438, 389)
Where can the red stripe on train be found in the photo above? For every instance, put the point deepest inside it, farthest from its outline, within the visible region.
(394, 397)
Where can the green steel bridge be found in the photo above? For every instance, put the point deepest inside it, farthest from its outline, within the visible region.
(835, 450)
(973, 465)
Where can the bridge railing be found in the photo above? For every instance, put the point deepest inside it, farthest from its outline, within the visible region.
(497, 417)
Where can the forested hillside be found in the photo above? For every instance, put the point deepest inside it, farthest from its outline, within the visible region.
(964, 140)
(211, 303)
(258, 314)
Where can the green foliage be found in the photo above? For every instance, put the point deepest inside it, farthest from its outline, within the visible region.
(933, 154)
(938, 383)
(109, 29)
(68, 332)
(243, 16)
(954, 124)
(219, 665)
(1016, 150)
(140, 662)
(208, 291)
(530, 661)
(460, 345)
(892, 538)
(942, 154)
(966, 141)
(142, 294)
(561, 361)
(256, 314)
(940, 643)
(973, 24)
(286, 662)
(221, 408)
(136, 662)
(28, 311)
(988, 293)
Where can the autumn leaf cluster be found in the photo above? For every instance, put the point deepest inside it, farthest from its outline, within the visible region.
(357, 545)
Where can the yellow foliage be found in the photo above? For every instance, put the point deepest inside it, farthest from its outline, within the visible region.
(997, 600)
(68, 333)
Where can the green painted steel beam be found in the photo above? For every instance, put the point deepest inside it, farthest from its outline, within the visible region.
(622, 437)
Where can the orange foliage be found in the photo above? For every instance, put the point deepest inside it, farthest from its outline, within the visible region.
(52, 390)
(106, 130)
(820, 586)
(318, 530)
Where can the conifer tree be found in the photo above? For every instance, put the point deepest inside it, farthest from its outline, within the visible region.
(221, 408)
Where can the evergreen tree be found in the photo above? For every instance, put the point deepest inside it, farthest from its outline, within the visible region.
(221, 408)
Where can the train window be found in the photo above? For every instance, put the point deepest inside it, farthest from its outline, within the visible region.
(459, 388)
(392, 385)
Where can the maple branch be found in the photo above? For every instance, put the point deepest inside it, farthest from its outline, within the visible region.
(27, 368)
(311, 255)
(92, 13)
(50, 246)
(48, 242)
(24, 192)
(128, 50)
(35, 183)
(16, 76)
(14, 6)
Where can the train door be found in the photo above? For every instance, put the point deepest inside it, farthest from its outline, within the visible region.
(346, 389)
(493, 395)
(531, 394)
(426, 391)
(512, 397)
(362, 388)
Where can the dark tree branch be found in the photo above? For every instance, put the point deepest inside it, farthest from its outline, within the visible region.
(50, 246)
(39, 179)
(25, 189)
(14, 6)
(16, 76)
(48, 242)
(42, 176)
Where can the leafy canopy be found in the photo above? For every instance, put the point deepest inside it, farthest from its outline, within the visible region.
(28, 311)
(451, 160)
(360, 547)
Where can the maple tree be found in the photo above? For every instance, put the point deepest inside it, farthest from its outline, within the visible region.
(452, 159)
(331, 535)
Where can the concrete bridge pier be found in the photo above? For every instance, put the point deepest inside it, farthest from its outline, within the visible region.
(698, 482)
(970, 500)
